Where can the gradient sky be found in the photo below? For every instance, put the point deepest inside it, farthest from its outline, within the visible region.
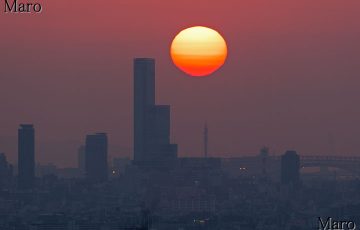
(291, 80)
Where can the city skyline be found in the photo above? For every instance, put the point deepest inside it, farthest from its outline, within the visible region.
(179, 115)
(290, 81)
(152, 145)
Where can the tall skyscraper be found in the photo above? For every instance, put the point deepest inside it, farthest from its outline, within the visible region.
(144, 99)
(96, 165)
(151, 121)
(26, 156)
(290, 168)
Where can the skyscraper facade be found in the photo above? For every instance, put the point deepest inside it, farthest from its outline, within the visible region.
(96, 151)
(151, 121)
(26, 156)
(290, 168)
(144, 99)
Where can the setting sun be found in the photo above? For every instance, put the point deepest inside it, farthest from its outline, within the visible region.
(198, 51)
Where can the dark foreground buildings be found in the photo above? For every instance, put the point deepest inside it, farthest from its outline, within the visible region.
(26, 156)
(96, 166)
(152, 146)
(290, 168)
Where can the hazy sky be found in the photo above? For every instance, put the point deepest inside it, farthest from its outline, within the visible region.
(291, 80)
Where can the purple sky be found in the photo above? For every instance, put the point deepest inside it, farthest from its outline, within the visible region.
(291, 80)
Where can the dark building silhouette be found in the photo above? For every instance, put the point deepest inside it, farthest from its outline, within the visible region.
(26, 156)
(96, 165)
(290, 168)
(144, 99)
(151, 121)
(6, 171)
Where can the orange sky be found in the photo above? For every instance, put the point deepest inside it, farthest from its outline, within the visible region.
(291, 79)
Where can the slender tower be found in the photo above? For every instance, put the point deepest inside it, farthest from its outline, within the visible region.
(205, 140)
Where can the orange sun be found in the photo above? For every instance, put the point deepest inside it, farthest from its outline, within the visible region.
(198, 51)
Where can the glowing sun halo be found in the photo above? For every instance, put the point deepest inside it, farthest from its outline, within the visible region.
(198, 51)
